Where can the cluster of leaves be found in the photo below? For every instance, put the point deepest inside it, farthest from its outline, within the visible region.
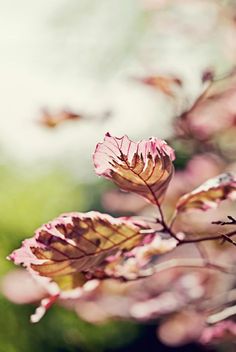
(71, 256)
(167, 268)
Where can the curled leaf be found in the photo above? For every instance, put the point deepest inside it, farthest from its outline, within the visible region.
(144, 167)
(209, 194)
(75, 247)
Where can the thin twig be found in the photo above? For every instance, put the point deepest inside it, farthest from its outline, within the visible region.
(228, 239)
(222, 223)
(207, 238)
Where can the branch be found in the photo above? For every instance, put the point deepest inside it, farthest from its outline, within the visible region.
(208, 238)
(162, 221)
(228, 239)
(231, 222)
(168, 229)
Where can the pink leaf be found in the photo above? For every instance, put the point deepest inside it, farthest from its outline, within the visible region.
(144, 167)
(209, 194)
(66, 254)
(165, 84)
(76, 247)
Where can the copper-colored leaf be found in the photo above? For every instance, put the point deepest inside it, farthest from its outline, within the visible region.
(52, 120)
(144, 167)
(74, 247)
(164, 84)
(209, 194)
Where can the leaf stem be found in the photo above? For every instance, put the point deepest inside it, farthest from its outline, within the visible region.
(166, 228)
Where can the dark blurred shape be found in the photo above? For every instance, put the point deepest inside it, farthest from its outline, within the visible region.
(208, 75)
(147, 341)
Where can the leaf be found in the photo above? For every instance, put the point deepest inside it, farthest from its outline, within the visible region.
(144, 167)
(52, 120)
(75, 247)
(209, 194)
(164, 84)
